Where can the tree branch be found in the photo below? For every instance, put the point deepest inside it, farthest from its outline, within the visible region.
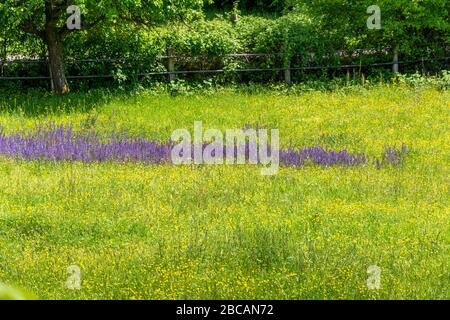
(137, 20)
(27, 27)
(30, 27)
(64, 31)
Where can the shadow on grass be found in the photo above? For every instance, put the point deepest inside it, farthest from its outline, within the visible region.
(34, 103)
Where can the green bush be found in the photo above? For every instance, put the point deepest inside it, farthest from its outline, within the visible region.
(410, 25)
(214, 38)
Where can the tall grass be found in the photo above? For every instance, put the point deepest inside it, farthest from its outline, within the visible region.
(182, 232)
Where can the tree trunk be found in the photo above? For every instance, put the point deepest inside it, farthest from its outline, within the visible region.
(56, 60)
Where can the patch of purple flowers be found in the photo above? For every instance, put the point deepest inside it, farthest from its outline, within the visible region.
(327, 157)
(321, 156)
(64, 144)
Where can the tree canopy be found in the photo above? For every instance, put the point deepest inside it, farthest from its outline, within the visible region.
(405, 23)
(47, 20)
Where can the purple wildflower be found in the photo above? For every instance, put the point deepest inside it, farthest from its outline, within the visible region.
(63, 144)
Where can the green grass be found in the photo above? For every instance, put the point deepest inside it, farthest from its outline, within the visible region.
(171, 232)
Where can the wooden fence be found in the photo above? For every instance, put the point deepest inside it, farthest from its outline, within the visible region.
(171, 72)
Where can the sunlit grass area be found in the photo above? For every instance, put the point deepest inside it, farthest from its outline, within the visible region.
(141, 231)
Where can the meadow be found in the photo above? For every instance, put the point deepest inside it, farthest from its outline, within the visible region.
(159, 231)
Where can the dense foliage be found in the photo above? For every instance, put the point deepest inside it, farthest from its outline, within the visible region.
(413, 26)
(301, 33)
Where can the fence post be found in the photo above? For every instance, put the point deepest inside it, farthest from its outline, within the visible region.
(234, 17)
(395, 61)
(286, 52)
(423, 67)
(171, 64)
(287, 66)
(287, 75)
